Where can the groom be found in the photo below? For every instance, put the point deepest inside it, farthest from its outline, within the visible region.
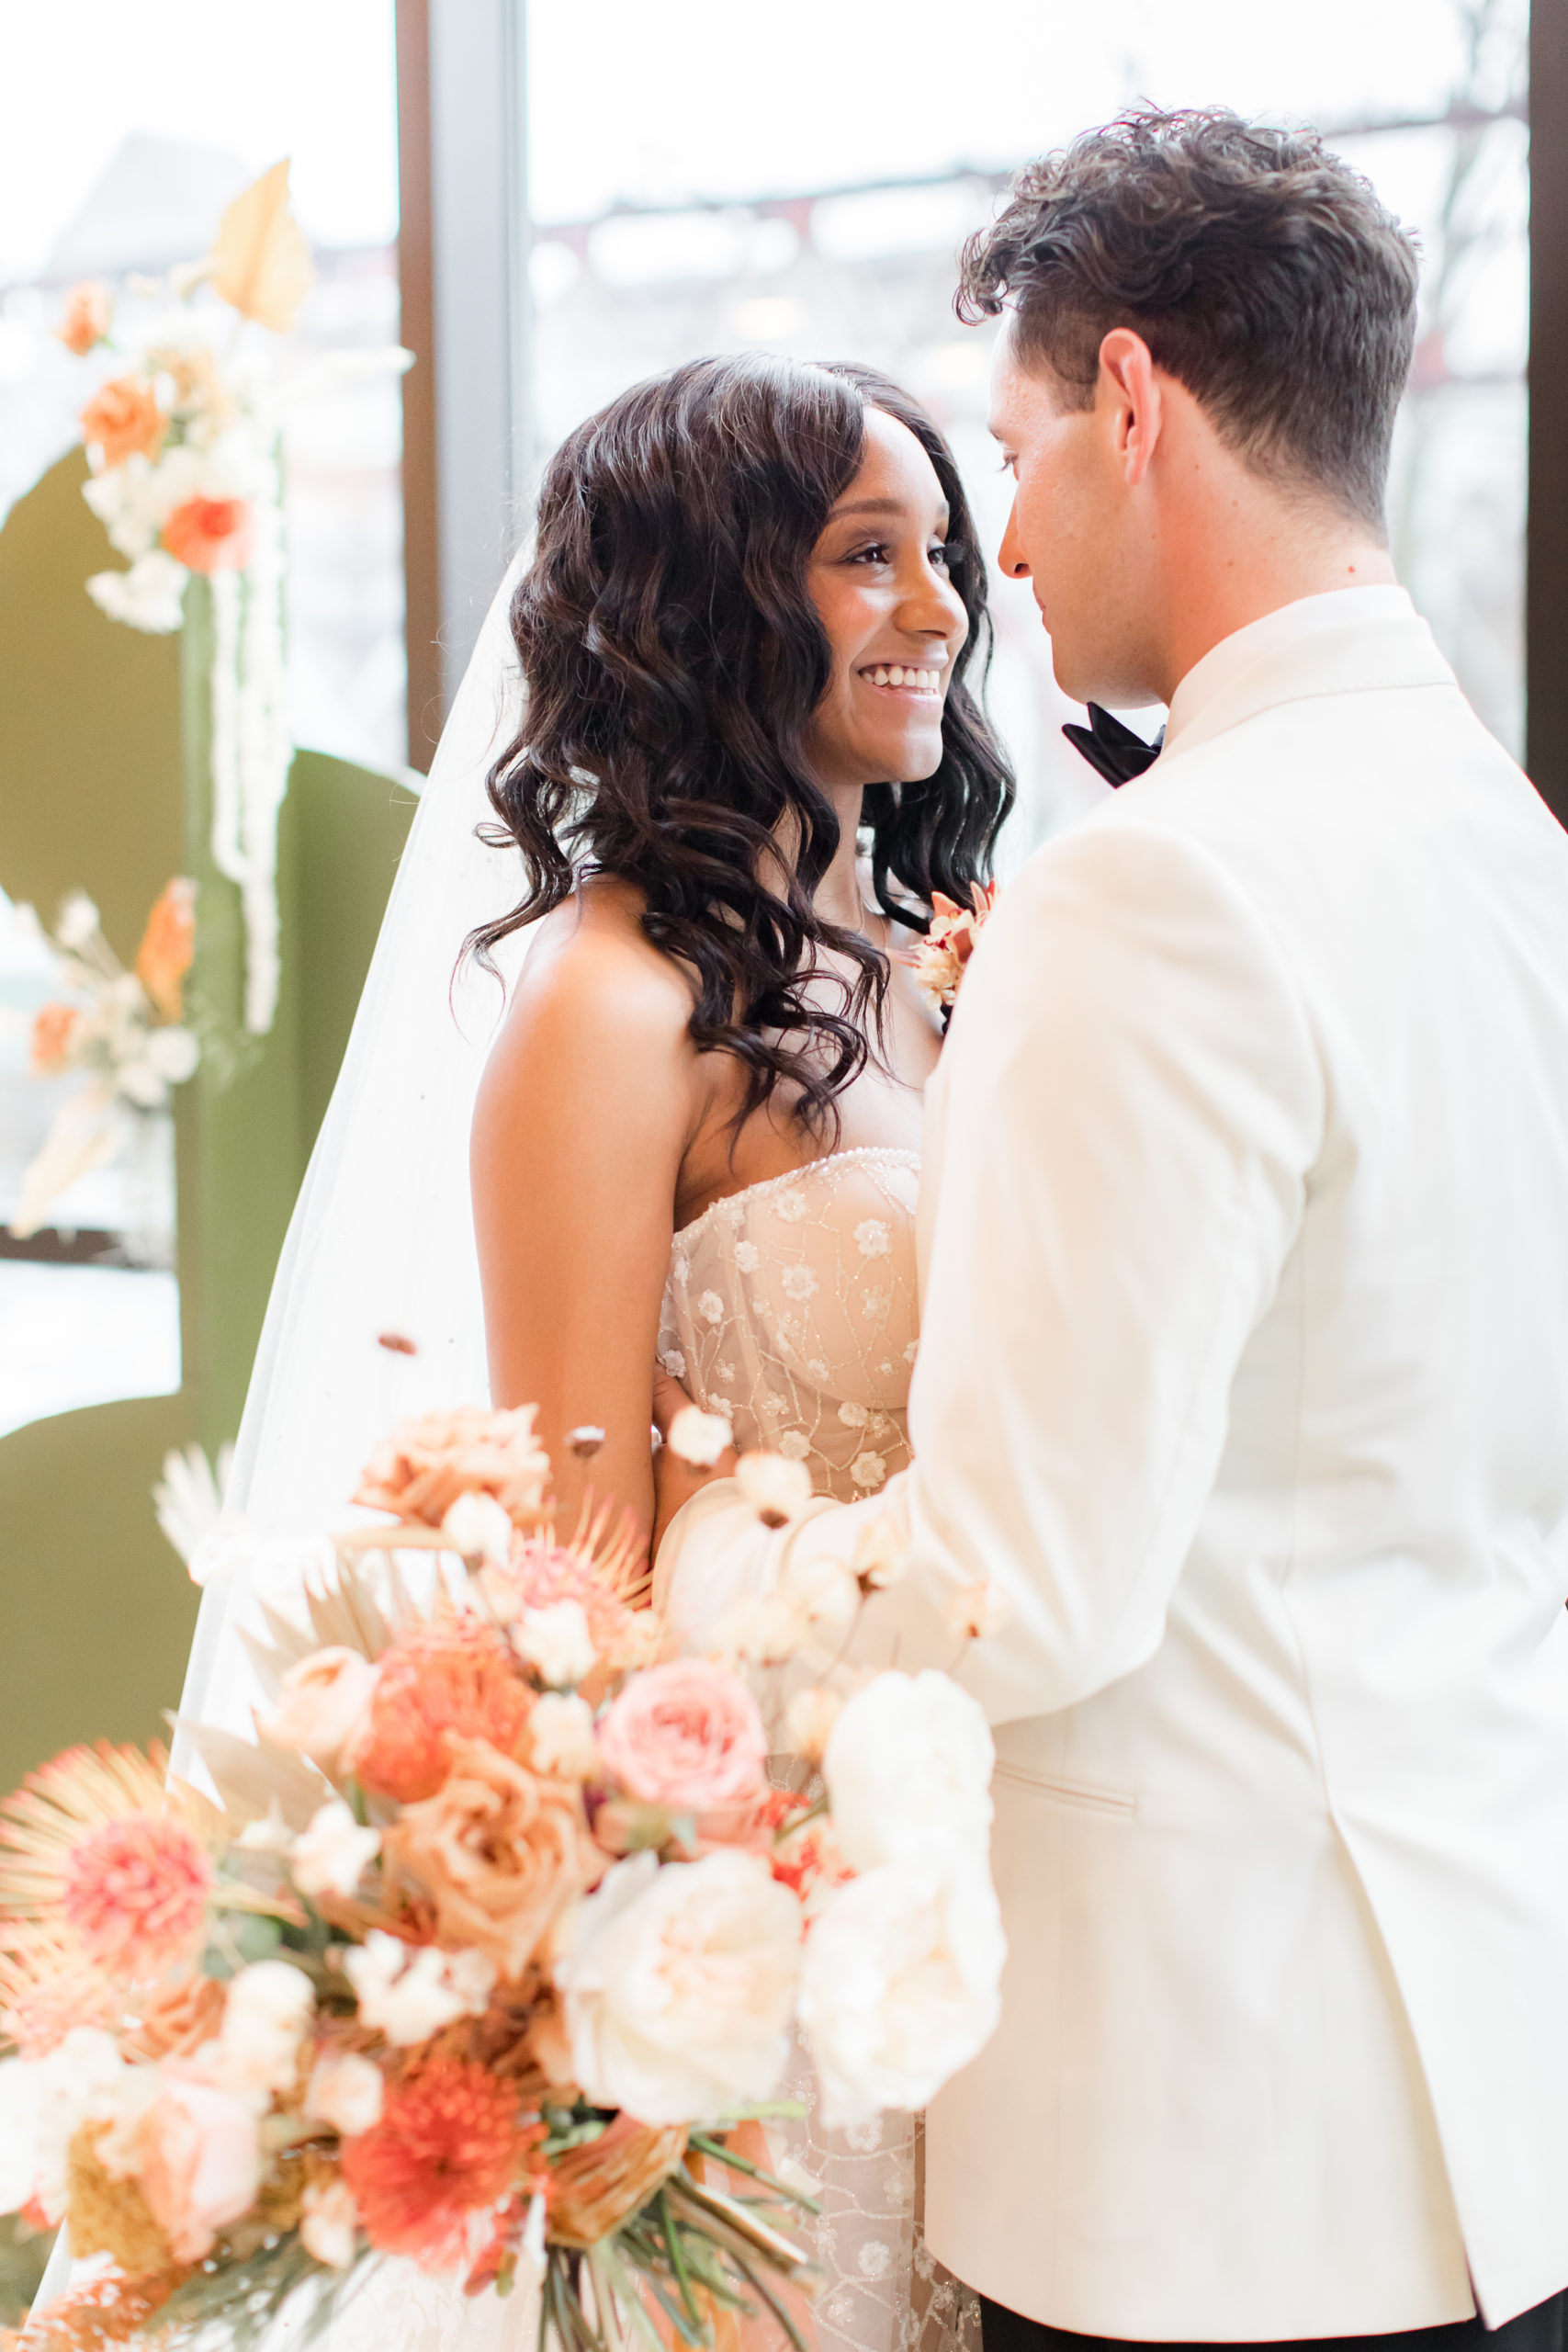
(1244, 1366)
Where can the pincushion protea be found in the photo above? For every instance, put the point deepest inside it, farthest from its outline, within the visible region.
(427, 2178)
(93, 1846)
(454, 1677)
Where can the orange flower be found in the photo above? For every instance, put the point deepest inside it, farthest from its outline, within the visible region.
(125, 421)
(54, 1033)
(85, 318)
(501, 1851)
(427, 2176)
(452, 1679)
(211, 533)
(168, 945)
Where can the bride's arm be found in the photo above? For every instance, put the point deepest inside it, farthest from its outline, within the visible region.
(578, 1137)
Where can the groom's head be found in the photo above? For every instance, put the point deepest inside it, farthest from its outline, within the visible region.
(1209, 325)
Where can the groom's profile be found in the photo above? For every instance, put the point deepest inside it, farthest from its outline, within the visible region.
(1244, 1357)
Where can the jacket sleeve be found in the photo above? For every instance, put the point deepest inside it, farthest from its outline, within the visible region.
(1129, 1108)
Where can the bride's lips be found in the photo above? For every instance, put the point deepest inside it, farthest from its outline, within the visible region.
(911, 682)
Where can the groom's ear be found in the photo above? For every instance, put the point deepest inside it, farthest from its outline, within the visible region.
(1130, 397)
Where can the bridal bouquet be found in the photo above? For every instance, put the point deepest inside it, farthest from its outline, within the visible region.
(489, 1957)
(122, 1028)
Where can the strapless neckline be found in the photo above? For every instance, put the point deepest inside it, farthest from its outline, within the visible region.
(898, 1154)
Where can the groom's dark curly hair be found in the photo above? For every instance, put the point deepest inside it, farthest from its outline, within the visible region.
(1263, 274)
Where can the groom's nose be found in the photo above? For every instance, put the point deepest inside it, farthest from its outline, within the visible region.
(1011, 557)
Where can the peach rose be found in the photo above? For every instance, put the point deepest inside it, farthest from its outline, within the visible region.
(125, 421)
(420, 1471)
(199, 2163)
(85, 318)
(211, 533)
(687, 1734)
(501, 1852)
(322, 1702)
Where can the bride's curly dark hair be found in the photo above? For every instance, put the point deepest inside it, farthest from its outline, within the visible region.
(673, 657)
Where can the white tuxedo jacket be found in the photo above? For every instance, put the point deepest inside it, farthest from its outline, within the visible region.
(1244, 1368)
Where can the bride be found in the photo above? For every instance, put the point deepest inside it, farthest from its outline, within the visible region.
(737, 756)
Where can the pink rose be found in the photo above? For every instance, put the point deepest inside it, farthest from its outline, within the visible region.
(200, 2164)
(686, 1734)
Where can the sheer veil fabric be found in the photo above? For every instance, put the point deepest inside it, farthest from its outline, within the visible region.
(381, 1240)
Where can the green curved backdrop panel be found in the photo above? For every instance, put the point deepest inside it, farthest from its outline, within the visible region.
(103, 787)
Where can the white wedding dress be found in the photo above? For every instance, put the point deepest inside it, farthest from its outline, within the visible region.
(791, 1308)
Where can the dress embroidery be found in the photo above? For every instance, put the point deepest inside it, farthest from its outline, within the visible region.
(812, 1275)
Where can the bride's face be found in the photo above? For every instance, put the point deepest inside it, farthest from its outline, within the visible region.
(878, 577)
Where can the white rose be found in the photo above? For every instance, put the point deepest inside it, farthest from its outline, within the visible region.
(699, 1438)
(345, 2091)
(408, 1994)
(908, 1772)
(480, 1528)
(333, 1852)
(266, 2014)
(555, 1643)
(329, 2223)
(149, 596)
(560, 1737)
(777, 1490)
(680, 1985)
(900, 1986)
(321, 1701)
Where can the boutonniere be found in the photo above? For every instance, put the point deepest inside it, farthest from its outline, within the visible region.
(940, 960)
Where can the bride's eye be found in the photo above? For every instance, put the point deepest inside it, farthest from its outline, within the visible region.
(880, 552)
(938, 555)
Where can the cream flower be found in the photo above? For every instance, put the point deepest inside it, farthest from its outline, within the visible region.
(322, 1702)
(480, 1528)
(265, 2015)
(908, 1772)
(329, 2223)
(872, 1238)
(777, 1490)
(560, 1737)
(825, 1594)
(699, 1438)
(333, 1852)
(800, 1282)
(811, 1716)
(795, 1445)
(881, 1554)
(975, 1612)
(556, 1642)
(853, 1416)
(345, 2091)
(869, 1471)
(900, 1986)
(149, 596)
(710, 1307)
(408, 1994)
(680, 1984)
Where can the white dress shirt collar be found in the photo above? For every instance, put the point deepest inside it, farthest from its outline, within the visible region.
(1291, 626)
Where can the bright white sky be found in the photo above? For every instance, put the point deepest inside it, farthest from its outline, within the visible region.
(688, 97)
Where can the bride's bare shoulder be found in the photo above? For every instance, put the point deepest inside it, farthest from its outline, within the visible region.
(595, 1004)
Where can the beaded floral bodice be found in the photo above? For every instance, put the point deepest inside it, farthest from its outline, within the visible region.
(791, 1308)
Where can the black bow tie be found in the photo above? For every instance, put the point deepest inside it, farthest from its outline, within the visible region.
(1113, 749)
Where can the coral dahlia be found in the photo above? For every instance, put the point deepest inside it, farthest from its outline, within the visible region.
(93, 1846)
(427, 2177)
(135, 1892)
(456, 1676)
